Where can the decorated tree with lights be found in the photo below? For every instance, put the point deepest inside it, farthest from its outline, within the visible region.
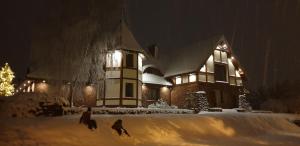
(6, 77)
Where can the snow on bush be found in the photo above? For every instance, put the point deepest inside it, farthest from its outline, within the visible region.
(30, 105)
(161, 104)
(119, 110)
(244, 103)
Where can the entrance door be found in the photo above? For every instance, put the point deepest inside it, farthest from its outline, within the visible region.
(218, 94)
(212, 99)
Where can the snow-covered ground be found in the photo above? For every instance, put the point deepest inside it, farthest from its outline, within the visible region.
(205, 129)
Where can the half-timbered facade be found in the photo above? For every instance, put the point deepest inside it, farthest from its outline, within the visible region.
(208, 65)
(134, 77)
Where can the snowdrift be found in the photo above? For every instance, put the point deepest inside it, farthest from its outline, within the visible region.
(211, 129)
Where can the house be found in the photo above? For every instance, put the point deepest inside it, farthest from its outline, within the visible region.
(207, 65)
(129, 76)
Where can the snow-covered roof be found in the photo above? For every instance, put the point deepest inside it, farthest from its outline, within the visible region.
(190, 58)
(125, 39)
(155, 79)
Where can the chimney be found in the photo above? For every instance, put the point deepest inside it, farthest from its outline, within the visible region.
(153, 49)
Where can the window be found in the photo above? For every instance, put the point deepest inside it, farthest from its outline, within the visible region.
(129, 90)
(140, 62)
(113, 59)
(178, 80)
(210, 64)
(192, 78)
(202, 77)
(203, 68)
(217, 56)
(220, 73)
(224, 57)
(129, 60)
(185, 79)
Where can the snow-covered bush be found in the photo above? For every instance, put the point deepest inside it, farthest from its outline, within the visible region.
(120, 111)
(244, 103)
(31, 105)
(197, 101)
(161, 104)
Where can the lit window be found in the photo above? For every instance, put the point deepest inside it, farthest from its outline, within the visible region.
(114, 59)
(140, 62)
(178, 80)
(210, 64)
(217, 55)
(237, 74)
(192, 78)
(203, 68)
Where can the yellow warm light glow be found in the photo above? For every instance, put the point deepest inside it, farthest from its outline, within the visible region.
(42, 87)
(220, 127)
(28, 82)
(218, 47)
(178, 80)
(24, 85)
(89, 90)
(44, 81)
(164, 89)
(225, 46)
(192, 78)
(6, 77)
(232, 57)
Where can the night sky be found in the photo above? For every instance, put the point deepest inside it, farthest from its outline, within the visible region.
(252, 27)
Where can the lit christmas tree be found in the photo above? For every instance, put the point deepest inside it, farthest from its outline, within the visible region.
(6, 77)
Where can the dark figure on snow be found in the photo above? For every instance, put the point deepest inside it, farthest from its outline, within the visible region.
(119, 128)
(86, 119)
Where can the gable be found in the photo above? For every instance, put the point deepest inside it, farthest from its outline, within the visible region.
(125, 39)
(219, 64)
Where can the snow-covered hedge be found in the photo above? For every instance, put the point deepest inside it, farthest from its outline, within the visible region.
(161, 104)
(31, 105)
(118, 110)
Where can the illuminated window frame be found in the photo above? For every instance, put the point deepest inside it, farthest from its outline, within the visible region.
(192, 77)
(178, 80)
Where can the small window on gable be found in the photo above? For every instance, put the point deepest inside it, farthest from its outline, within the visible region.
(129, 60)
(217, 56)
(129, 90)
(178, 80)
